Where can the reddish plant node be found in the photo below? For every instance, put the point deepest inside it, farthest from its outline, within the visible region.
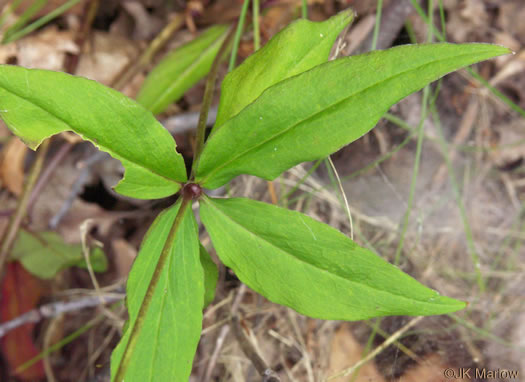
(192, 190)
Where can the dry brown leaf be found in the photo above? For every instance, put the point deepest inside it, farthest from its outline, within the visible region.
(20, 292)
(468, 20)
(8, 53)
(511, 143)
(346, 352)
(364, 7)
(124, 255)
(431, 369)
(12, 165)
(44, 50)
(106, 56)
(514, 65)
(147, 26)
(510, 19)
(358, 33)
(275, 18)
(54, 195)
(4, 131)
(69, 227)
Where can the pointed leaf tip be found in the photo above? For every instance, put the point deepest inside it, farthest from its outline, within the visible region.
(309, 266)
(165, 297)
(315, 113)
(305, 43)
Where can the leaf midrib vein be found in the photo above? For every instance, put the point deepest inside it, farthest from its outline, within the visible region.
(109, 151)
(282, 132)
(192, 66)
(305, 262)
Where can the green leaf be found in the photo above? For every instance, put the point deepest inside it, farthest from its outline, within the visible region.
(44, 254)
(166, 334)
(315, 113)
(36, 104)
(211, 275)
(180, 70)
(299, 262)
(296, 49)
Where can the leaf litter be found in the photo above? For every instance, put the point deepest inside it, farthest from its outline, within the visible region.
(487, 165)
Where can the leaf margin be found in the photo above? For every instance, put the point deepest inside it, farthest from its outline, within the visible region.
(222, 158)
(432, 303)
(34, 116)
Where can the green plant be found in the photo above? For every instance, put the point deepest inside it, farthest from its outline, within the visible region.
(284, 105)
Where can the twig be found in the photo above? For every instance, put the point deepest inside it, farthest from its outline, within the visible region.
(64, 341)
(377, 350)
(85, 227)
(55, 325)
(47, 172)
(55, 308)
(249, 351)
(162, 38)
(77, 188)
(208, 97)
(465, 128)
(343, 194)
(238, 33)
(222, 335)
(41, 21)
(182, 123)
(90, 11)
(271, 190)
(392, 20)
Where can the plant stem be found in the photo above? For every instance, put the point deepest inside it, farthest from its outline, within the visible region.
(56, 308)
(394, 337)
(148, 297)
(250, 351)
(46, 174)
(442, 19)
(304, 10)
(238, 33)
(206, 101)
(23, 19)
(90, 11)
(64, 341)
(9, 11)
(256, 31)
(419, 149)
(16, 220)
(343, 194)
(377, 25)
(41, 21)
(471, 71)
(474, 256)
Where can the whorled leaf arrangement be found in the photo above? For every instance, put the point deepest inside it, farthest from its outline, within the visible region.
(277, 109)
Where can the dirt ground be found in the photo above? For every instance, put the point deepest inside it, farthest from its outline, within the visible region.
(456, 225)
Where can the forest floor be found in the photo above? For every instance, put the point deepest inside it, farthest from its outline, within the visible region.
(453, 217)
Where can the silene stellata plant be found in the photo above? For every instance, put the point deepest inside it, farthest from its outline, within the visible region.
(282, 106)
